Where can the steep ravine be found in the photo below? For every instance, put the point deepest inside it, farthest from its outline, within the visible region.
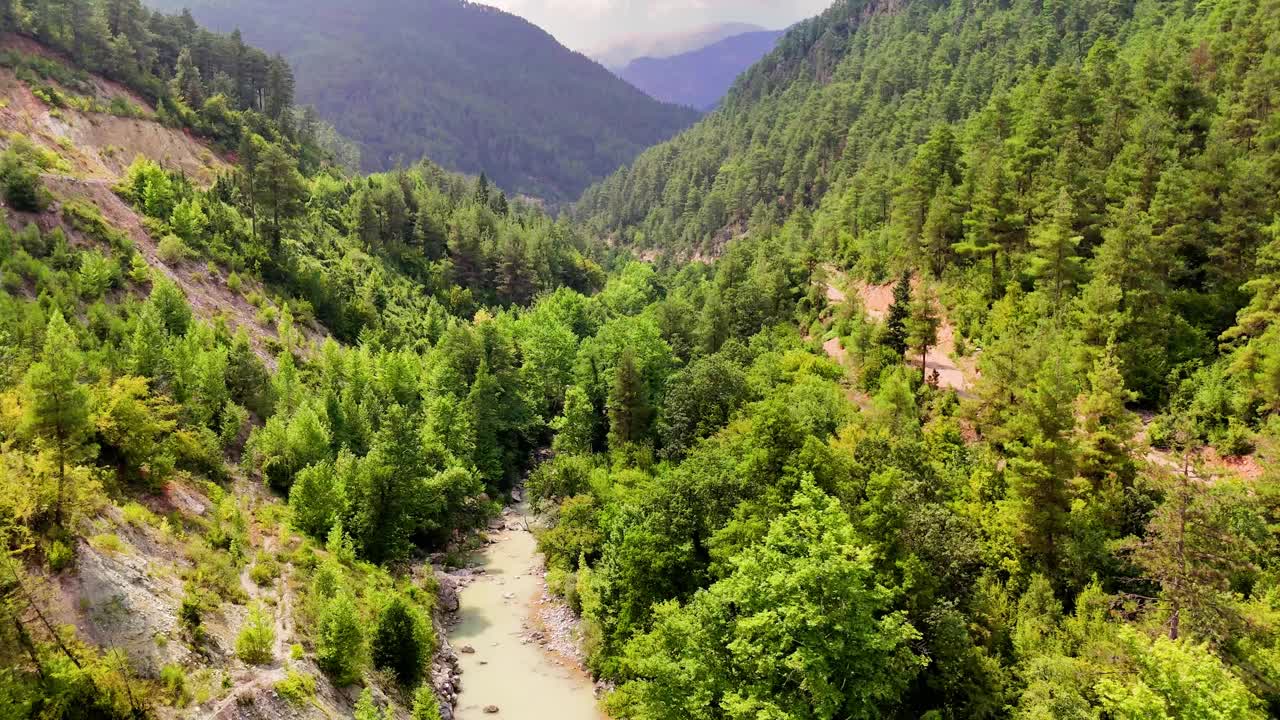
(501, 644)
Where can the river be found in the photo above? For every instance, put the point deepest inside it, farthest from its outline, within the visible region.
(508, 670)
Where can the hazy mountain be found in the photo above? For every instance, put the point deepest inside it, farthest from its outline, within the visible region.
(474, 88)
(701, 77)
(617, 54)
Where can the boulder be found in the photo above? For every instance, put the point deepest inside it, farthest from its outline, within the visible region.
(448, 592)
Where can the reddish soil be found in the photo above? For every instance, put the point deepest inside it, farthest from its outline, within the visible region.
(876, 300)
(98, 145)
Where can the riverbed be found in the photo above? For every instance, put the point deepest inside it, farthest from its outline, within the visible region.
(508, 669)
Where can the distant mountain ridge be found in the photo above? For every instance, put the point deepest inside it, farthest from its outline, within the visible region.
(699, 79)
(617, 54)
(469, 86)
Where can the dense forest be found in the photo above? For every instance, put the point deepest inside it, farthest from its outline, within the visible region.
(469, 86)
(1085, 196)
(383, 388)
(243, 417)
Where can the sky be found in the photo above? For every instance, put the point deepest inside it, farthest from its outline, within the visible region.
(587, 25)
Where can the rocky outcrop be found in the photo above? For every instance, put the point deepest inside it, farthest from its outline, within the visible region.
(446, 675)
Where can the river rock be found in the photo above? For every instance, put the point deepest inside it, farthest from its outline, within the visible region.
(466, 649)
(448, 592)
(491, 709)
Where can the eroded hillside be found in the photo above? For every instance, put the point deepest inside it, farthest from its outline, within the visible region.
(89, 141)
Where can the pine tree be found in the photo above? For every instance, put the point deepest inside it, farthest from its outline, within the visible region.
(171, 305)
(922, 328)
(187, 79)
(942, 228)
(483, 405)
(1055, 264)
(1107, 426)
(575, 428)
(318, 497)
(992, 224)
(279, 189)
(58, 411)
(279, 90)
(1192, 548)
(386, 498)
(146, 345)
(428, 235)
(899, 311)
(628, 404)
(1042, 462)
(515, 276)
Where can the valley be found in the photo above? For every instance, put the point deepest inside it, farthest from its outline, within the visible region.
(495, 94)
(935, 373)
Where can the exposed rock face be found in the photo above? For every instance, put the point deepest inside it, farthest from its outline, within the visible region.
(446, 676)
(127, 605)
(448, 592)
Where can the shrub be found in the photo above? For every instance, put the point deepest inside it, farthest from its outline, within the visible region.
(216, 571)
(59, 555)
(173, 679)
(1235, 439)
(20, 177)
(173, 250)
(190, 615)
(253, 644)
(365, 708)
(265, 570)
(576, 533)
(425, 704)
(297, 687)
(340, 646)
(139, 270)
(564, 583)
(326, 583)
(234, 283)
(398, 642)
(107, 542)
(138, 515)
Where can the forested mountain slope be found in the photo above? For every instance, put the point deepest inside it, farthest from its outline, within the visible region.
(699, 78)
(466, 85)
(757, 499)
(1086, 194)
(177, 355)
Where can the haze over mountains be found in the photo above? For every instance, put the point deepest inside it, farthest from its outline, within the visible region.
(701, 77)
(617, 54)
(494, 93)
